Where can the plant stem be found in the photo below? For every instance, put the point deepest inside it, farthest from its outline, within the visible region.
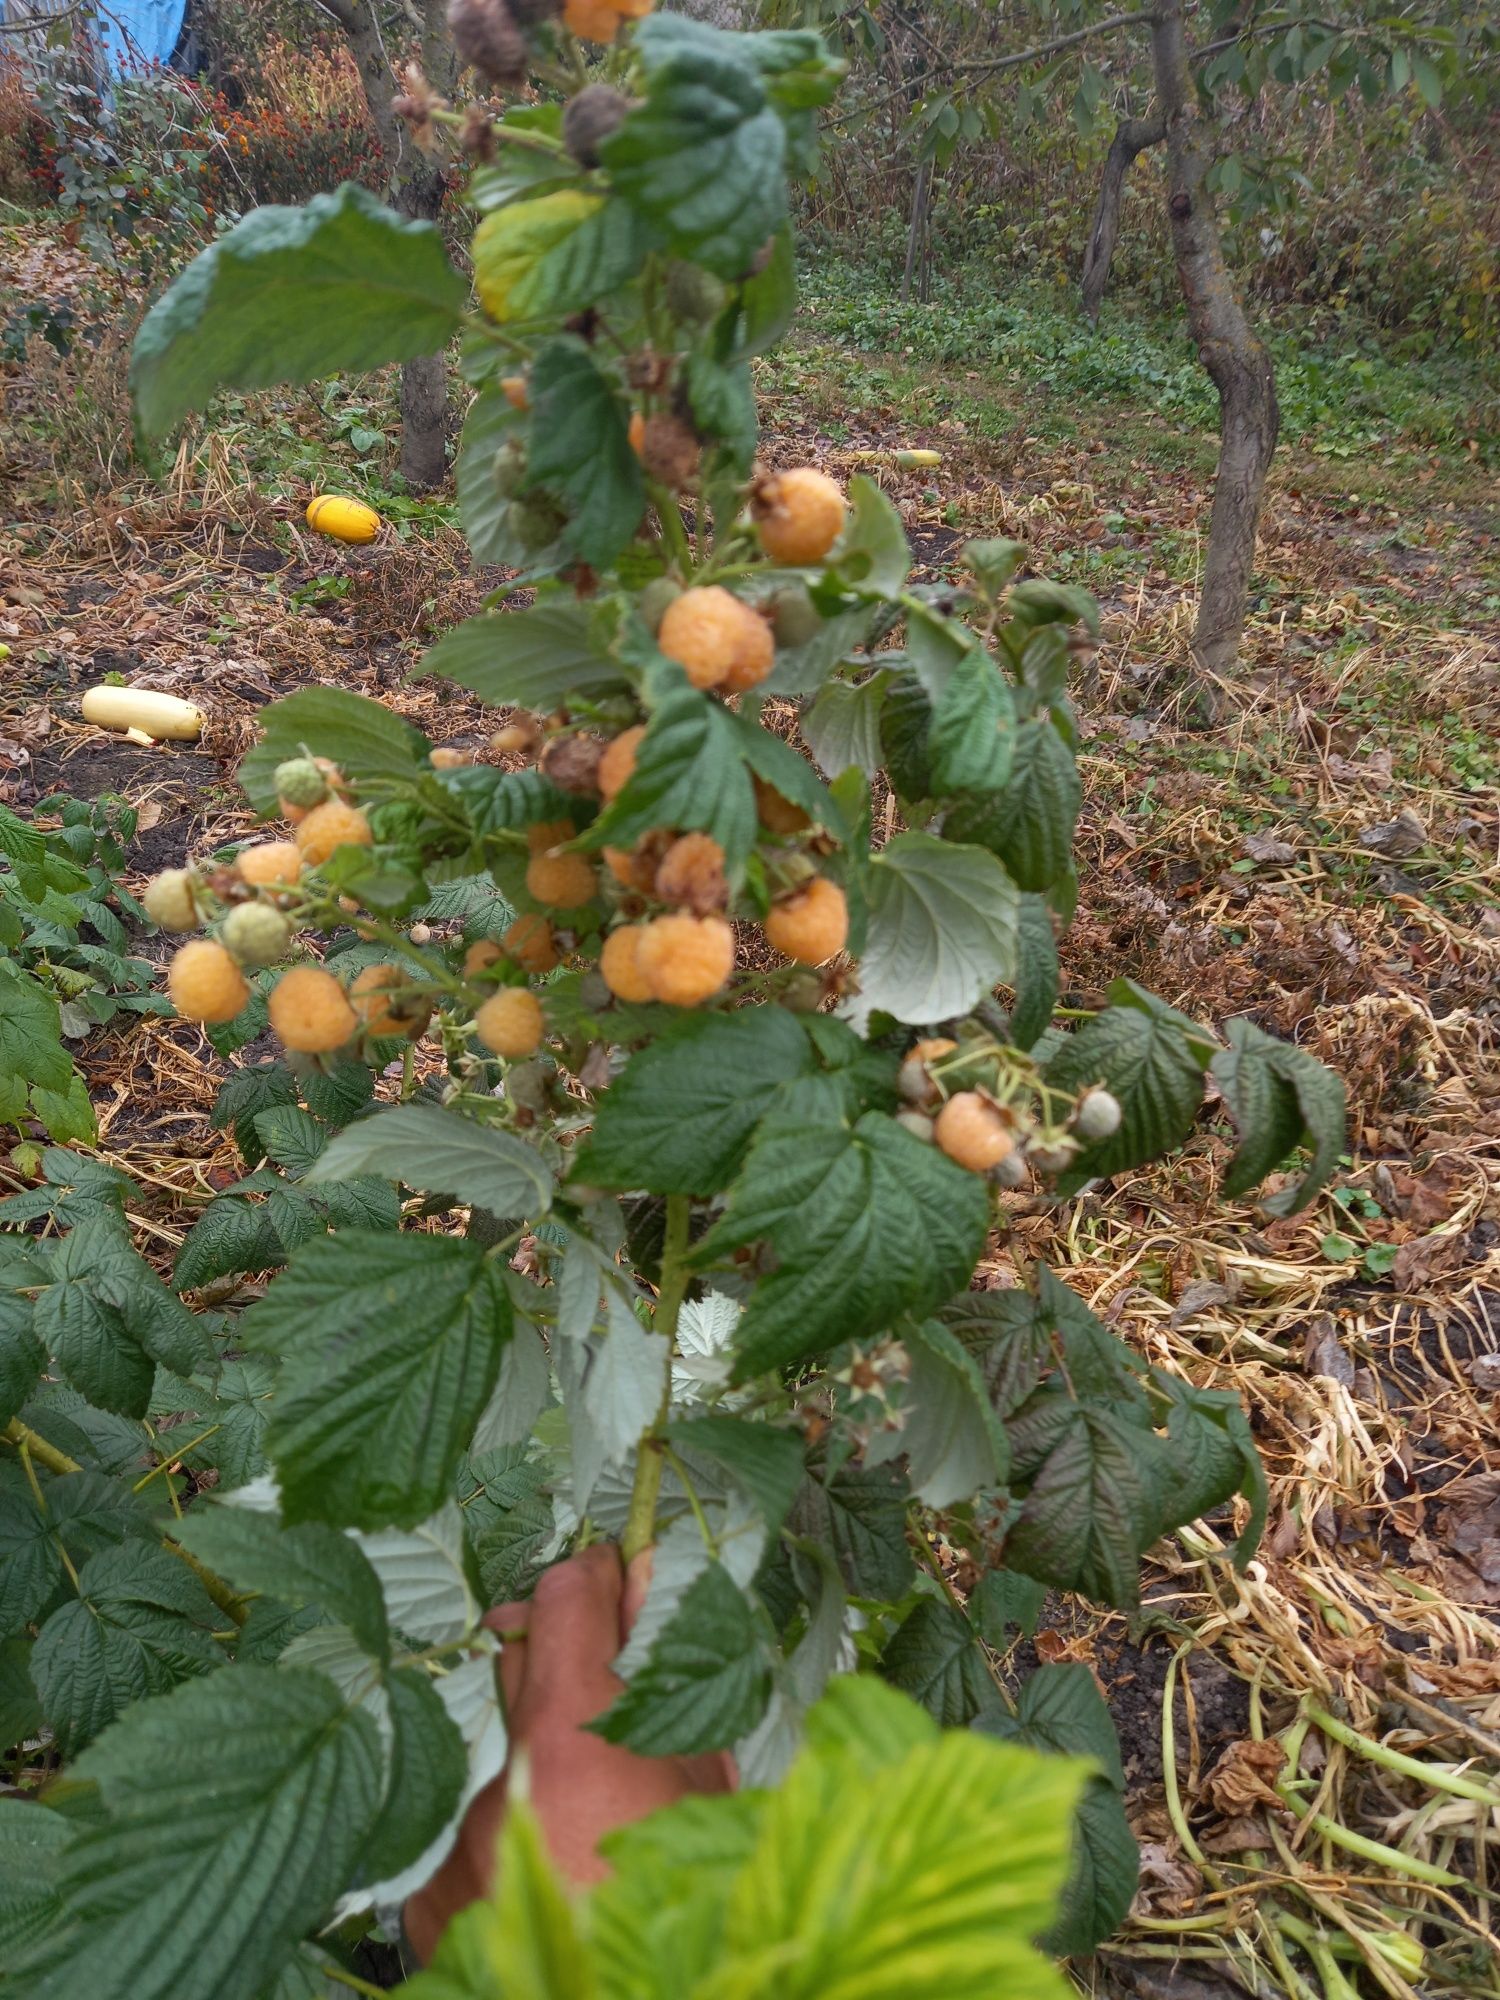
(229, 1602)
(640, 1522)
(25, 1439)
(1433, 1775)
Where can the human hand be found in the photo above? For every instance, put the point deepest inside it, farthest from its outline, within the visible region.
(553, 1680)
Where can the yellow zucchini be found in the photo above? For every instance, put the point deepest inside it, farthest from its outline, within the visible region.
(345, 519)
(143, 709)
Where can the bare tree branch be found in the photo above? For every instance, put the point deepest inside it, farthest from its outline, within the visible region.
(1132, 137)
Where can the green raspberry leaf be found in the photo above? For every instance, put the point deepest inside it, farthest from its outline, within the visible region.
(942, 929)
(441, 1152)
(690, 772)
(1152, 1059)
(1030, 824)
(865, 1224)
(1280, 1097)
(363, 737)
(706, 1680)
(580, 451)
(340, 285)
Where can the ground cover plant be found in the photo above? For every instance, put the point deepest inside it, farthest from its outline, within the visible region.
(280, 1211)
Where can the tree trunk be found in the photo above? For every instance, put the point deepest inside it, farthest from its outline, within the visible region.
(1132, 137)
(1228, 348)
(416, 189)
(917, 228)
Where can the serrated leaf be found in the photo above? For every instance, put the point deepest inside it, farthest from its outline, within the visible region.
(441, 1152)
(535, 658)
(1036, 976)
(859, 1513)
(364, 737)
(483, 499)
(32, 1840)
(231, 1235)
(390, 1347)
(1004, 1602)
(935, 1657)
(553, 254)
(22, 1355)
(681, 1113)
(778, 765)
(942, 929)
(580, 452)
(765, 1461)
(341, 284)
(803, 669)
(1152, 1059)
(1030, 824)
(721, 400)
(627, 1368)
(1279, 1097)
(136, 1628)
(1094, 1501)
(955, 1444)
(705, 1681)
(866, 1224)
(701, 161)
(309, 1564)
(973, 728)
(993, 563)
(87, 1333)
(689, 773)
(30, 1031)
(234, 1808)
(842, 727)
(421, 1577)
(67, 1115)
(426, 1764)
(245, 1093)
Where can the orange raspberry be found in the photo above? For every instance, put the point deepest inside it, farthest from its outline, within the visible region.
(383, 1008)
(510, 1023)
(692, 873)
(545, 833)
(685, 959)
(777, 814)
(637, 432)
(566, 881)
(205, 983)
(620, 966)
(530, 942)
(971, 1132)
(592, 20)
(310, 1011)
(617, 765)
(483, 953)
(292, 814)
(755, 655)
(269, 864)
(329, 826)
(800, 515)
(447, 759)
(516, 738)
(515, 391)
(631, 869)
(811, 925)
(706, 632)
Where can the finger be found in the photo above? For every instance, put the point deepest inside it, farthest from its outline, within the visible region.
(511, 1666)
(572, 1636)
(637, 1583)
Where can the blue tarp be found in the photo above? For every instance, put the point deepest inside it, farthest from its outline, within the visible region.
(140, 31)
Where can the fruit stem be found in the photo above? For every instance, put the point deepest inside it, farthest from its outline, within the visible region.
(640, 1522)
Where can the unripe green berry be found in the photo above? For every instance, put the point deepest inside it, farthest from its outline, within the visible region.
(693, 295)
(300, 782)
(794, 616)
(656, 599)
(1011, 1171)
(1097, 1117)
(918, 1124)
(509, 467)
(169, 900)
(1053, 1158)
(526, 1085)
(535, 523)
(256, 934)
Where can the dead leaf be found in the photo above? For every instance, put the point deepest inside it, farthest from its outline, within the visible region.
(1198, 1297)
(1398, 837)
(1322, 1352)
(1426, 1259)
(1169, 1886)
(1247, 1835)
(1241, 1780)
(1267, 847)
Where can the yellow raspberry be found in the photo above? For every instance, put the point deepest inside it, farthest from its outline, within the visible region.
(329, 826)
(271, 864)
(777, 814)
(755, 656)
(812, 925)
(617, 765)
(445, 759)
(310, 1011)
(685, 959)
(515, 391)
(914, 1080)
(205, 983)
(800, 515)
(636, 432)
(510, 1023)
(632, 868)
(516, 738)
(592, 20)
(545, 833)
(292, 813)
(482, 954)
(705, 631)
(619, 964)
(384, 1009)
(530, 942)
(168, 900)
(566, 881)
(692, 873)
(971, 1132)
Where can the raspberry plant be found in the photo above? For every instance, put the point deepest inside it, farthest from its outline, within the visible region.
(708, 1100)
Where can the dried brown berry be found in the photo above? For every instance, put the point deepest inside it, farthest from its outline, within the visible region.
(485, 34)
(590, 118)
(572, 763)
(670, 451)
